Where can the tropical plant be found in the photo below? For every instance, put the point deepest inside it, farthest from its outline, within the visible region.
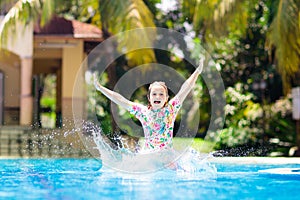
(115, 17)
(213, 19)
(219, 17)
(284, 40)
(249, 123)
(242, 115)
(278, 121)
(23, 13)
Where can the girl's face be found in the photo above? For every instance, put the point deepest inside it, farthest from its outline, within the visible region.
(158, 97)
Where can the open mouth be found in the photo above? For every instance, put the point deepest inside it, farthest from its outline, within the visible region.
(156, 102)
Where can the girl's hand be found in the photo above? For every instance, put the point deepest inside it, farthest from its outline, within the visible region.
(200, 66)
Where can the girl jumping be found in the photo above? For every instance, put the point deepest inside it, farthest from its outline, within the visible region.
(159, 116)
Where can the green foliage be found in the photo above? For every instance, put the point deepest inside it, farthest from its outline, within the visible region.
(212, 19)
(241, 119)
(82, 10)
(120, 16)
(48, 99)
(23, 13)
(244, 59)
(48, 102)
(248, 122)
(284, 39)
(279, 123)
(202, 146)
(98, 104)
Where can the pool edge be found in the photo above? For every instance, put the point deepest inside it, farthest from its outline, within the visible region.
(255, 160)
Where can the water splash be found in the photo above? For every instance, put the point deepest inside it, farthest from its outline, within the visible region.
(117, 155)
(194, 165)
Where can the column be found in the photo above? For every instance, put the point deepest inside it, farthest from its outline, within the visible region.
(26, 99)
(71, 63)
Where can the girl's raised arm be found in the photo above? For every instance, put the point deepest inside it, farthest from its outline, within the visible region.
(188, 85)
(113, 96)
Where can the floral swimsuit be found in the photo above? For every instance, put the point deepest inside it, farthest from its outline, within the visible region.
(157, 124)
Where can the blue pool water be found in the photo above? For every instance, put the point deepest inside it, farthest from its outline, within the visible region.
(86, 179)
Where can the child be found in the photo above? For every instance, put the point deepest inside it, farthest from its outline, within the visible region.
(159, 116)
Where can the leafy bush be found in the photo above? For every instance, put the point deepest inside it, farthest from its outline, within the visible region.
(249, 123)
(241, 119)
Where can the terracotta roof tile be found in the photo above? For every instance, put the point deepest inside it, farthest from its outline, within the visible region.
(73, 28)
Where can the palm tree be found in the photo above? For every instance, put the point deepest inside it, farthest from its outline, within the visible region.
(212, 19)
(115, 17)
(284, 40)
(216, 18)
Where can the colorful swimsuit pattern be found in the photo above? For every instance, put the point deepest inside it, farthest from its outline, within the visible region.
(157, 124)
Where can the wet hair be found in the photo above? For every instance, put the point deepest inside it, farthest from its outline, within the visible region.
(159, 83)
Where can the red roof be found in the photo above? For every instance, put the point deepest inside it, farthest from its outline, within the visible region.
(59, 26)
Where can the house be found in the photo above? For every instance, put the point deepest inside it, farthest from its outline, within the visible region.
(59, 48)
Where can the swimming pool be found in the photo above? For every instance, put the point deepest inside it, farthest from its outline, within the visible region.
(83, 179)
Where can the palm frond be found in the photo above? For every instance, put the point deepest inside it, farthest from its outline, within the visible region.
(284, 37)
(121, 17)
(22, 13)
(47, 8)
(218, 17)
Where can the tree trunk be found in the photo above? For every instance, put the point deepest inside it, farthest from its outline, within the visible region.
(296, 79)
(112, 75)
